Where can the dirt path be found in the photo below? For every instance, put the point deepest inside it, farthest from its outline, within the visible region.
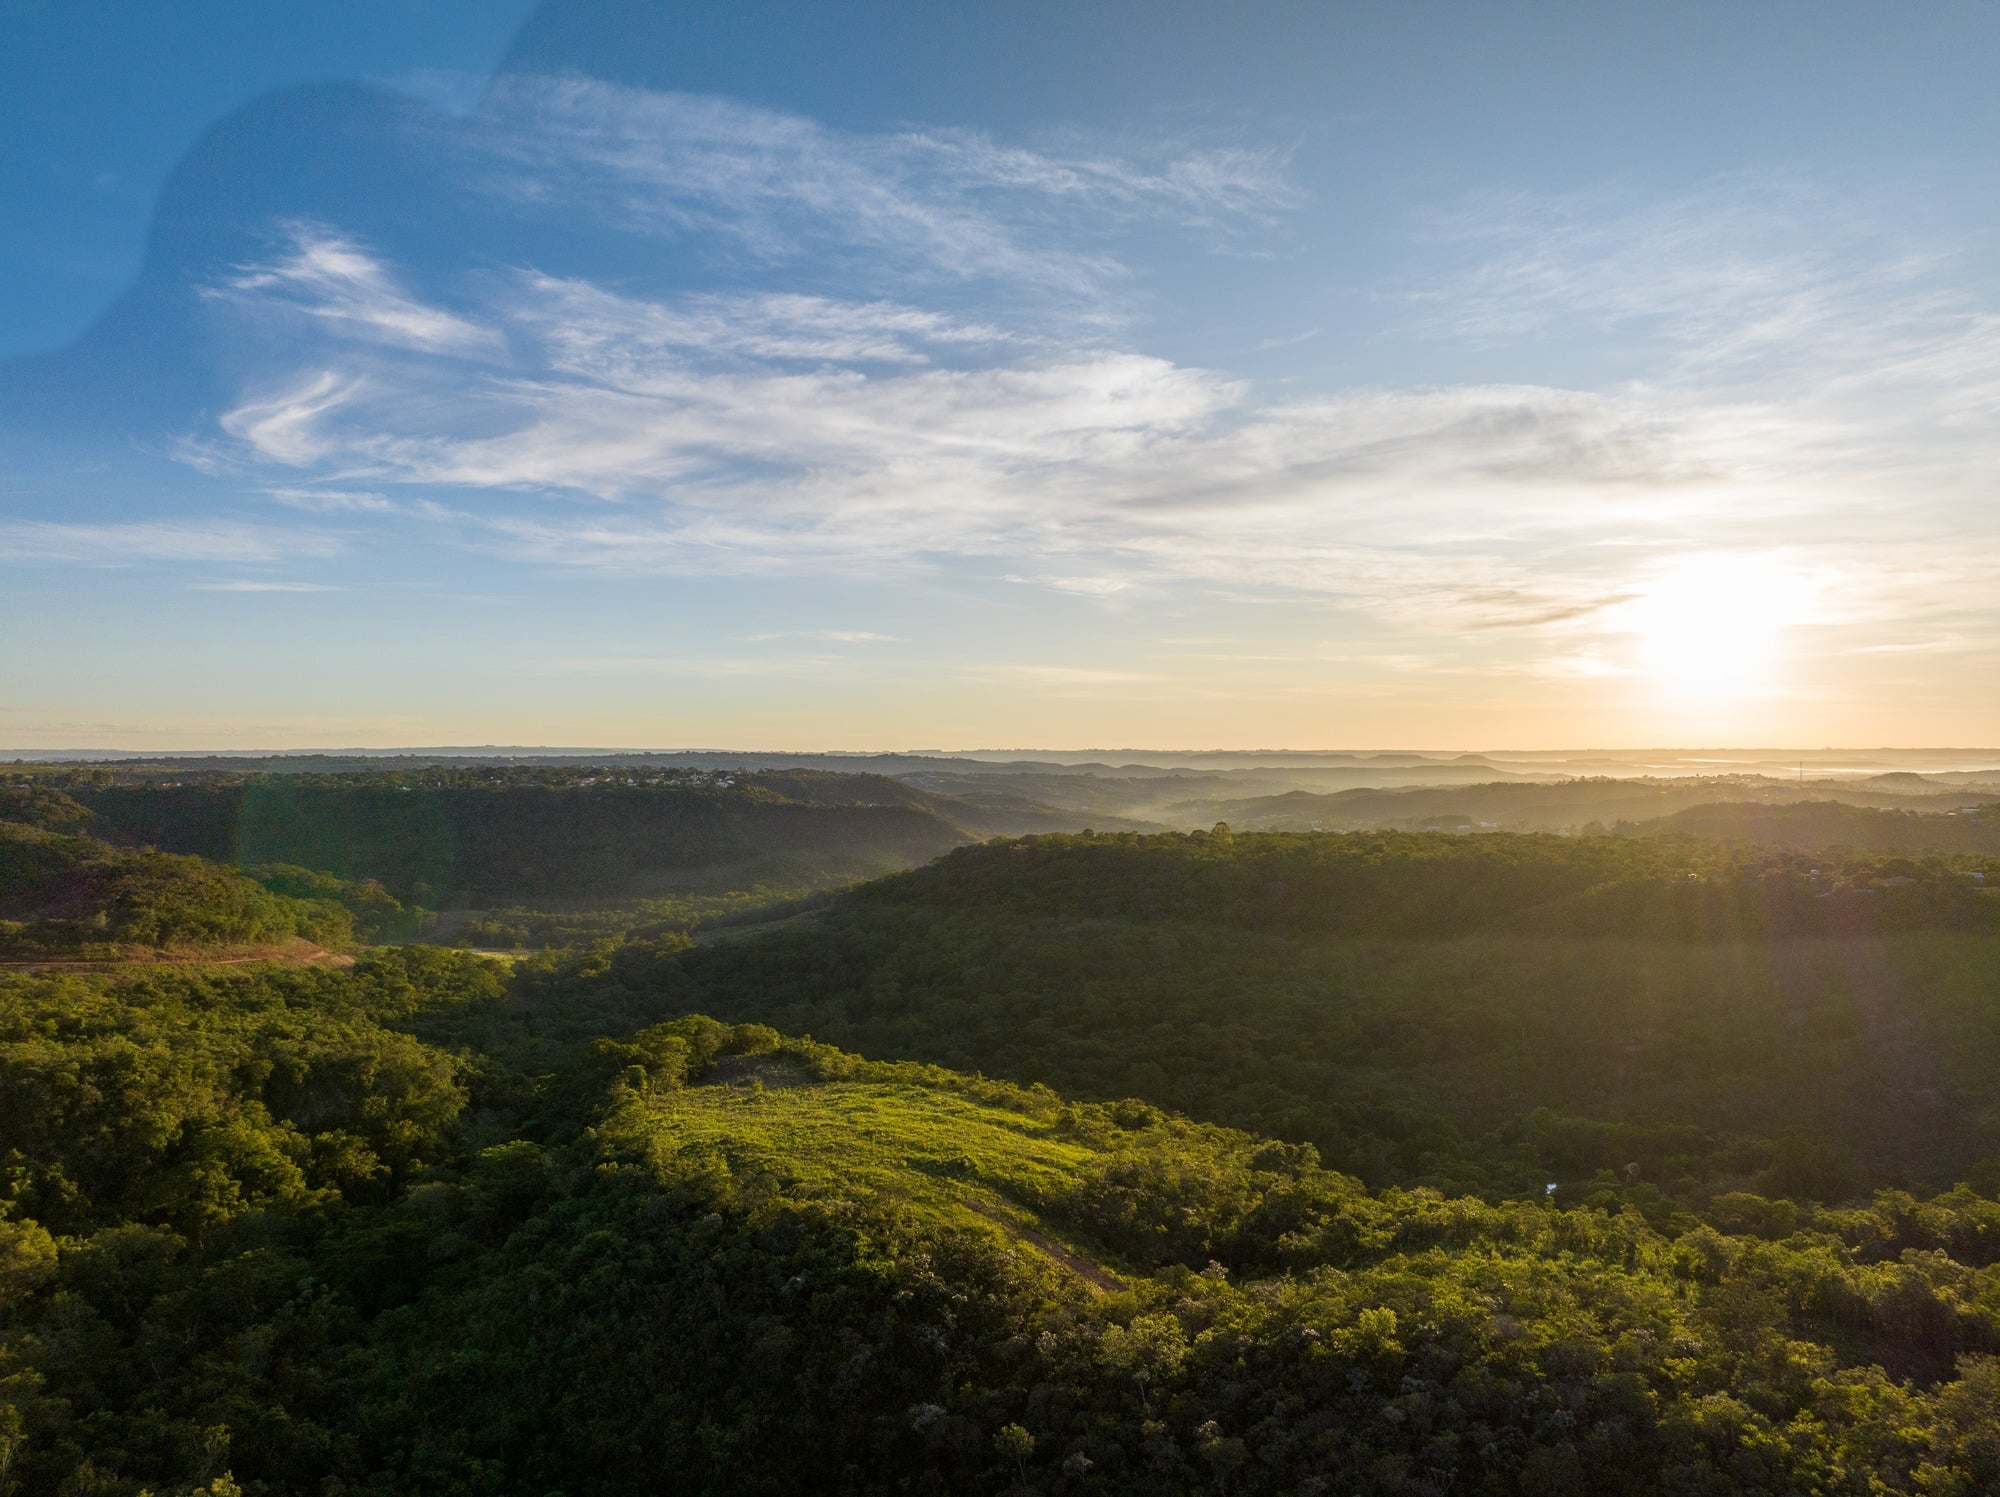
(308, 956)
(735, 1073)
(708, 935)
(1092, 1274)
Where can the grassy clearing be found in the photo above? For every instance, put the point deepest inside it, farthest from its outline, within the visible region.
(963, 1163)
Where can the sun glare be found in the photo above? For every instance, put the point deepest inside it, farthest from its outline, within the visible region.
(1711, 628)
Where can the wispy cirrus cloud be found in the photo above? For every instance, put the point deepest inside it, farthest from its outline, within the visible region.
(332, 501)
(790, 432)
(757, 465)
(792, 435)
(1715, 269)
(1792, 365)
(123, 543)
(325, 275)
(1754, 282)
(940, 205)
(282, 426)
(595, 333)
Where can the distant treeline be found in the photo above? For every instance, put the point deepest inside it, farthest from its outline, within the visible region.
(1568, 805)
(1808, 825)
(482, 836)
(1391, 883)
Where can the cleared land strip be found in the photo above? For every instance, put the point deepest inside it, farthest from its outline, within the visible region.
(312, 957)
(1091, 1273)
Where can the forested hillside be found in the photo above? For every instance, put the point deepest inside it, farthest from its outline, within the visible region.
(1359, 1164)
(64, 896)
(1680, 803)
(1817, 824)
(479, 836)
(403, 1230)
(1641, 1017)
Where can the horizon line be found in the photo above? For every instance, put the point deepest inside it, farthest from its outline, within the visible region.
(26, 755)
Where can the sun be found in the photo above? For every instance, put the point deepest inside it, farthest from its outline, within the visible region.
(1711, 628)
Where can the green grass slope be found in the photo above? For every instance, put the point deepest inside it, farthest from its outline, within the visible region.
(958, 1159)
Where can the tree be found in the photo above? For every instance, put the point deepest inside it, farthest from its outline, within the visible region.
(1015, 1444)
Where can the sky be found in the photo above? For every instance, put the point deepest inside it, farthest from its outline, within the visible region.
(793, 375)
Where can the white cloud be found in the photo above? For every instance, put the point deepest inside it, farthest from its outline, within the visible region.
(332, 501)
(128, 542)
(794, 435)
(1810, 382)
(1590, 663)
(1099, 586)
(1950, 644)
(1763, 287)
(331, 277)
(953, 205)
(588, 331)
(282, 425)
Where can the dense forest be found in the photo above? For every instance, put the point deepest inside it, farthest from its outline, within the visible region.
(1641, 1017)
(1807, 825)
(569, 838)
(1688, 804)
(1209, 1163)
(399, 1230)
(68, 896)
(477, 836)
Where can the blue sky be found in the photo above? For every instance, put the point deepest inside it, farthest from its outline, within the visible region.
(789, 375)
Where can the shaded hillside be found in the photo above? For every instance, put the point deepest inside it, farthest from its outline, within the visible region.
(35, 800)
(483, 836)
(1404, 884)
(265, 1234)
(1811, 825)
(1482, 1012)
(72, 896)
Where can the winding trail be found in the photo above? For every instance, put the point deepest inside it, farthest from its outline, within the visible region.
(1091, 1273)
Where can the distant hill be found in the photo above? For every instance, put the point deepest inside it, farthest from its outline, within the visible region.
(1566, 805)
(1902, 782)
(1808, 825)
(477, 836)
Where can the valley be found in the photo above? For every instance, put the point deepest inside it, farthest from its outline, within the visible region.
(1115, 1161)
